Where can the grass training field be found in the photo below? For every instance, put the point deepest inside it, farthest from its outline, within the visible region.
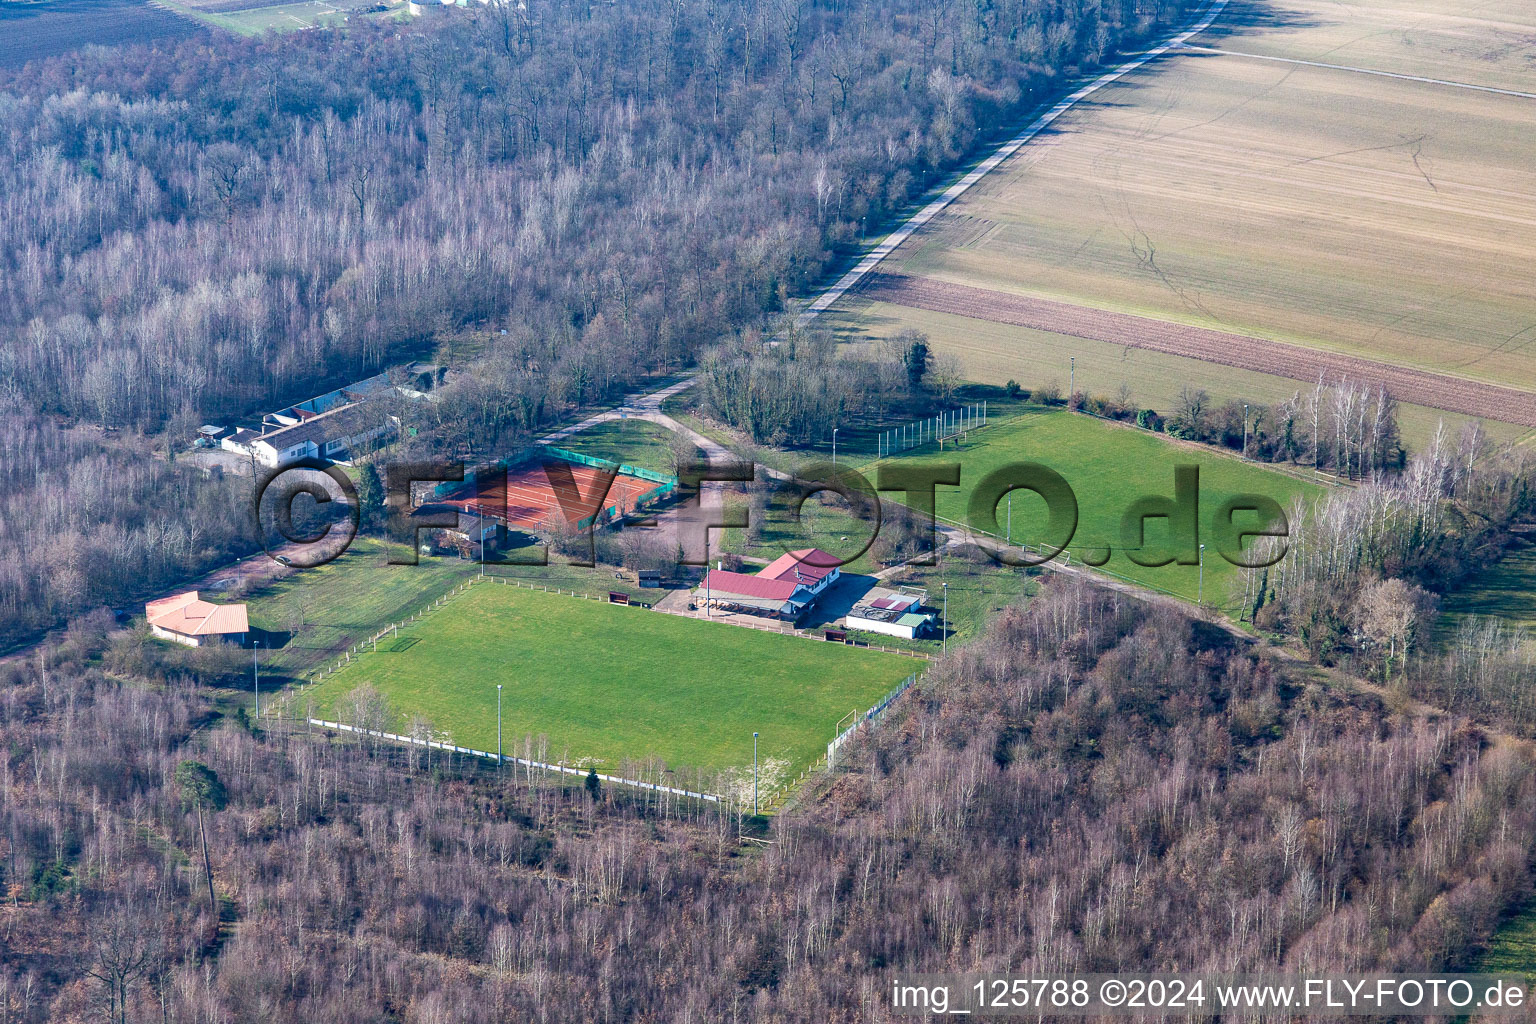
(1343, 211)
(608, 684)
(633, 442)
(1109, 466)
(309, 618)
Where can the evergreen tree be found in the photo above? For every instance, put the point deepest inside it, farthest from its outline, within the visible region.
(370, 498)
(917, 361)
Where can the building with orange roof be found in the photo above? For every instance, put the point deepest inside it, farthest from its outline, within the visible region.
(188, 619)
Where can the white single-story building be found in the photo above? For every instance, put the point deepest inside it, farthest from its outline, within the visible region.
(330, 436)
(327, 426)
(240, 441)
(891, 612)
(187, 619)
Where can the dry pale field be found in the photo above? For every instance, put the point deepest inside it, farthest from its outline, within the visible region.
(1379, 218)
(1490, 44)
(995, 353)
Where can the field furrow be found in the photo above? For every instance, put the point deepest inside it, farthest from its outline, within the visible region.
(1419, 387)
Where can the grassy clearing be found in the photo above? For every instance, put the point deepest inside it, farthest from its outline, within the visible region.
(259, 18)
(255, 21)
(1108, 467)
(1513, 950)
(630, 441)
(1360, 214)
(611, 684)
(1506, 590)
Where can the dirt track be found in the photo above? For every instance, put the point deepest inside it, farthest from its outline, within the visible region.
(1419, 387)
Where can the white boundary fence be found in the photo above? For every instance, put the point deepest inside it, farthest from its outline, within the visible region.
(940, 427)
(515, 761)
(768, 801)
(371, 643)
(868, 716)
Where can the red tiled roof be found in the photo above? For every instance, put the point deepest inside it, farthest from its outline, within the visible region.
(720, 581)
(189, 615)
(808, 565)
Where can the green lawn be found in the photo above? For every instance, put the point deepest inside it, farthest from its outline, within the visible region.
(1506, 590)
(1513, 949)
(313, 615)
(608, 684)
(629, 441)
(1109, 466)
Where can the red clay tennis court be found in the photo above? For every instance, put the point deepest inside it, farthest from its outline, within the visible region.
(529, 497)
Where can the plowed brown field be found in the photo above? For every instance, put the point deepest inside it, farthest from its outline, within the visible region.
(1440, 391)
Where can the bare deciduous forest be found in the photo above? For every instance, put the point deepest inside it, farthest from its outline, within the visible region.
(205, 228)
(1093, 786)
(212, 227)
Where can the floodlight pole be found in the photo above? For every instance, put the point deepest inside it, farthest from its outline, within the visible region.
(834, 446)
(1009, 541)
(1072, 382)
(498, 727)
(1200, 592)
(944, 632)
(754, 775)
(1245, 430)
(481, 524)
(256, 676)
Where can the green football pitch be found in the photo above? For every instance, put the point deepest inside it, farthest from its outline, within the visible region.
(1108, 467)
(609, 684)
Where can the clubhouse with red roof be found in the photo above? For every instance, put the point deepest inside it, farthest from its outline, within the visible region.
(784, 589)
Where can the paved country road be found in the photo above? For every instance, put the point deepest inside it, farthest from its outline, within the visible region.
(838, 288)
(647, 405)
(892, 241)
(640, 405)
